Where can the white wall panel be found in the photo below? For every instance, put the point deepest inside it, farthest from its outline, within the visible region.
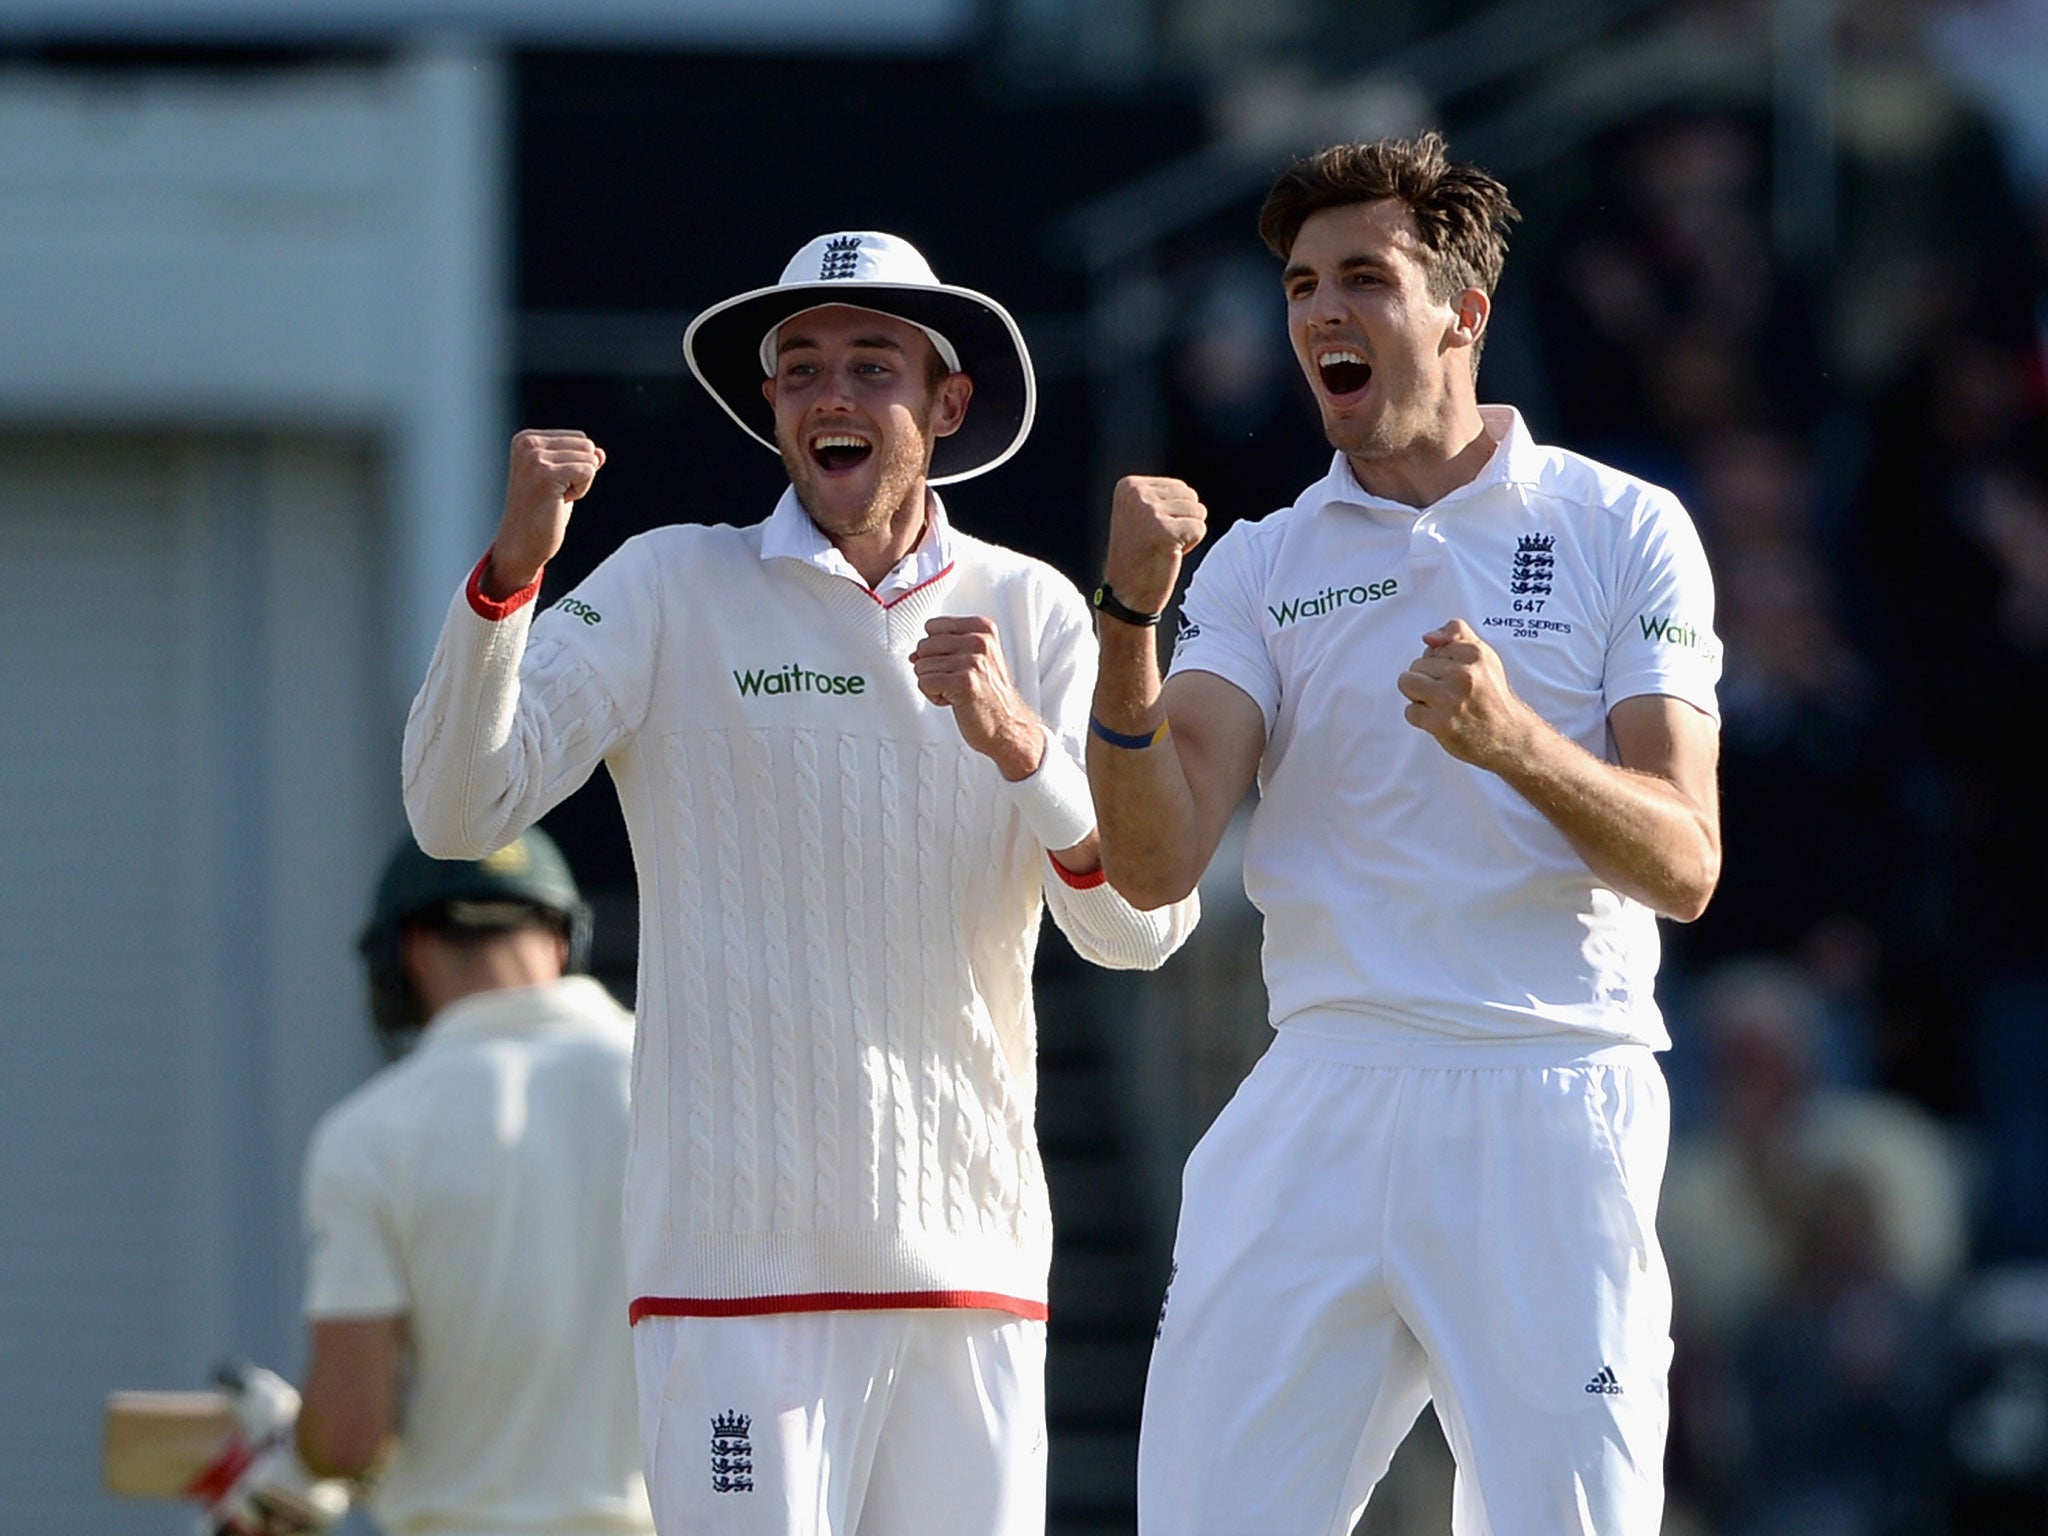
(190, 819)
(251, 436)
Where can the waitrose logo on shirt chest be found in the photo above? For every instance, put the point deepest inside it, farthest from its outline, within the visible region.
(1330, 599)
(775, 682)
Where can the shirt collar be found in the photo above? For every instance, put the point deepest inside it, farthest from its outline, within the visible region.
(1510, 463)
(511, 1012)
(789, 534)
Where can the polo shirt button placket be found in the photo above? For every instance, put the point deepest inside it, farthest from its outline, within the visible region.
(1425, 546)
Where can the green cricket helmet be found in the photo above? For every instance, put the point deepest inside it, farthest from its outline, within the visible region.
(528, 877)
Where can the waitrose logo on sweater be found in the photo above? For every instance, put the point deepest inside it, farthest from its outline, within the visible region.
(795, 678)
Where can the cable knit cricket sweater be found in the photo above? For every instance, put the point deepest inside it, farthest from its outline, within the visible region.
(834, 1083)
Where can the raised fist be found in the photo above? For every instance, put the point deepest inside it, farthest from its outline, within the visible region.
(1154, 521)
(548, 474)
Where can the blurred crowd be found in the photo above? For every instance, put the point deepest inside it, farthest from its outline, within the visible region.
(1857, 1207)
(1863, 1017)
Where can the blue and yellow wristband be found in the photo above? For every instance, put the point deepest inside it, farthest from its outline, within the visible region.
(1129, 743)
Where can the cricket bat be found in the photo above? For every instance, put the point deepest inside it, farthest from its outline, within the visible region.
(156, 1444)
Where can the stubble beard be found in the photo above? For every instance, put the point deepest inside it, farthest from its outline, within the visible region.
(902, 467)
(1392, 430)
(1369, 441)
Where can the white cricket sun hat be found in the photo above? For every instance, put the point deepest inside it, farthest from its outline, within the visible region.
(731, 345)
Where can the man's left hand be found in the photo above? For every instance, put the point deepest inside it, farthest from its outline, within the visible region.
(960, 666)
(1458, 691)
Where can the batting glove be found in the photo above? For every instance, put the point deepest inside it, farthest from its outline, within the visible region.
(257, 1486)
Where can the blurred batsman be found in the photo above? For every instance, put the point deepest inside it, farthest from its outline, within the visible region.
(1474, 679)
(464, 1270)
(847, 742)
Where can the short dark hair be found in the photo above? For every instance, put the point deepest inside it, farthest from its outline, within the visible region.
(1461, 213)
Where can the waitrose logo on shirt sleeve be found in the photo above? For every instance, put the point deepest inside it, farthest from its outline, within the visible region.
(1668, 630)
(775, 681)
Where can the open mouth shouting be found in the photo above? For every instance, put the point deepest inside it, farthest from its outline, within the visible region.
(1343, 372)
(836, 452)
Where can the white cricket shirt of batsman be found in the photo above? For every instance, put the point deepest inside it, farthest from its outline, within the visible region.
(474, 1188)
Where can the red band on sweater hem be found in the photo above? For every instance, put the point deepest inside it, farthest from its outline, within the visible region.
(1086, 882)
(831, 1301)
(495, 608)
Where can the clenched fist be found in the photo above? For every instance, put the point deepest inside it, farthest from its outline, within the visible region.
(550, 471)
(960, 666)
(1458, 691)
(1154, 521)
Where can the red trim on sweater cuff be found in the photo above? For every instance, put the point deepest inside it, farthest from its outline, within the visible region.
(832, 1301)
(494, 608)
(1086, 882)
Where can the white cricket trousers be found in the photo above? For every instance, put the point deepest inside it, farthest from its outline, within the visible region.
(882, 1423)
(1358, 1238)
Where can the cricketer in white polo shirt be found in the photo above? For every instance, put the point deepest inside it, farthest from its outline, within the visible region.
(1473, 678)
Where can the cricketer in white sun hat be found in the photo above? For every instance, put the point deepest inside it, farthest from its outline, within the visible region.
(731, 345)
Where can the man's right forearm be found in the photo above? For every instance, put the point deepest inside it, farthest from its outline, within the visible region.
(1155, 827)
(1145, 813)
(460, 789)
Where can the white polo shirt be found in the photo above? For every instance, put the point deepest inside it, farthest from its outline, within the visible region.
(475, 1188)
(1410, 898)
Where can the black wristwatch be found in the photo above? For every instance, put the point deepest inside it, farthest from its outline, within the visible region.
(1105, 601)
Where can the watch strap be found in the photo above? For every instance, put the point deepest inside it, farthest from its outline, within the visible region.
(1106, 601)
